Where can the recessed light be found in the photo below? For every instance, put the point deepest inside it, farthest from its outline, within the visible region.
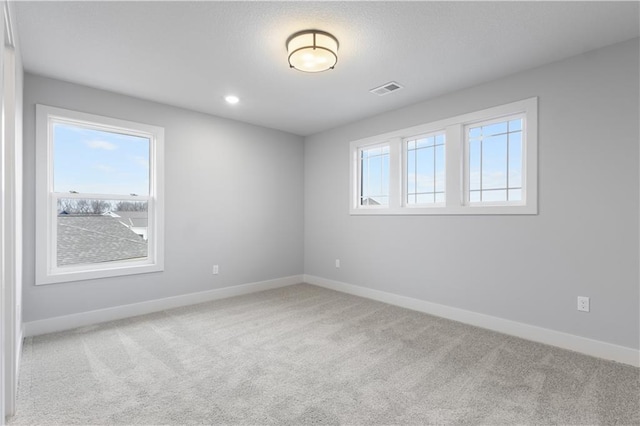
(232, 99)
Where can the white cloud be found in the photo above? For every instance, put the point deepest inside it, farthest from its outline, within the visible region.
(101, 145)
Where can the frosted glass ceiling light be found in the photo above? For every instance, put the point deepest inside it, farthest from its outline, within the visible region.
(312, 51)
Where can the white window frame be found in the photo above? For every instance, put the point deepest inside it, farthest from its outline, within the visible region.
(456, 165)
(47, 271)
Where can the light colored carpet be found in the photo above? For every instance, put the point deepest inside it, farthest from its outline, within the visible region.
(306, 355)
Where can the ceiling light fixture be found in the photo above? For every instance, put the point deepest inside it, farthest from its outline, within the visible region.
(312, 51)
(232, 99)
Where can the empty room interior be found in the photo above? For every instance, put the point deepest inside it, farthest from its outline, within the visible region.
(320, 213)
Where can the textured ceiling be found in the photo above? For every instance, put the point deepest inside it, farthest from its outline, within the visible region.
(192, 54)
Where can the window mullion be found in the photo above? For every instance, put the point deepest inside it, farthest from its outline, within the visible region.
(455, 166)
(87, 196)
(395, 173)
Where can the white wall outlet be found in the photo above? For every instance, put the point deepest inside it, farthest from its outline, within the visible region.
(583, 303)
(337, 263)
(215, 269)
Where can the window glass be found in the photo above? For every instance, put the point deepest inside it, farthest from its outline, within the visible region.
(478, 163)
(374, 176)
(495, 161)
(426, 170)
(93, 161)
(88, 160)
(99, 231)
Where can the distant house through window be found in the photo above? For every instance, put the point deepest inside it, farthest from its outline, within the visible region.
(99, 196)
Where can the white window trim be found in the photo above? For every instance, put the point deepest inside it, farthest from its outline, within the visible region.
(455, 163)
(46, 207)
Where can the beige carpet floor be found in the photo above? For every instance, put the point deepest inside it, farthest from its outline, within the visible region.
(306, 355)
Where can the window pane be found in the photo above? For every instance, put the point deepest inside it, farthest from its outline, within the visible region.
(374, 176)
(93, 161)
(515, 195)
(495, 159)
(439, 170)
(99, 231)
(376, 200)
(411, 171)
(474, 165)
(494, 129)
(515, 125)
(425, 169)
(364, 181)
(440, 197)
(494, 195)
(425, 198)
(494, 162)
(384, 188)
(515, 160)
(424, 142)
(474, 196)
(475, 132)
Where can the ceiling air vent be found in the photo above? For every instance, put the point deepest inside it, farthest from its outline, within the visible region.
(392, 86)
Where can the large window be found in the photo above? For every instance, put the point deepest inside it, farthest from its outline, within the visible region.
(483, 162)
(99, 196)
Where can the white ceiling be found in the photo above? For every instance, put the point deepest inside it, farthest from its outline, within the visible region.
(192, 54)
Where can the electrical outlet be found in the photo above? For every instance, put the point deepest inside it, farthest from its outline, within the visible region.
(215, 269)
(583, 303)
(337, 263)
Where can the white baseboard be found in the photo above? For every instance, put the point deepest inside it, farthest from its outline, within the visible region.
(68, 322)
(530, 332)
(559, 339)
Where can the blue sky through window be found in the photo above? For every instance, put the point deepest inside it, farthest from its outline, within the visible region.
(426, 170)
(98, 162)
(495, 161)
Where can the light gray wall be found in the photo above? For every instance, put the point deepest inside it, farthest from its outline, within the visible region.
(530, 269)
(233, 197)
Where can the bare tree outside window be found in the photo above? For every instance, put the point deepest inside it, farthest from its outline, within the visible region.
(131, 206)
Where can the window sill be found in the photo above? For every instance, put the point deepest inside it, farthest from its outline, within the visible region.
(446, 210)
(107, 272)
